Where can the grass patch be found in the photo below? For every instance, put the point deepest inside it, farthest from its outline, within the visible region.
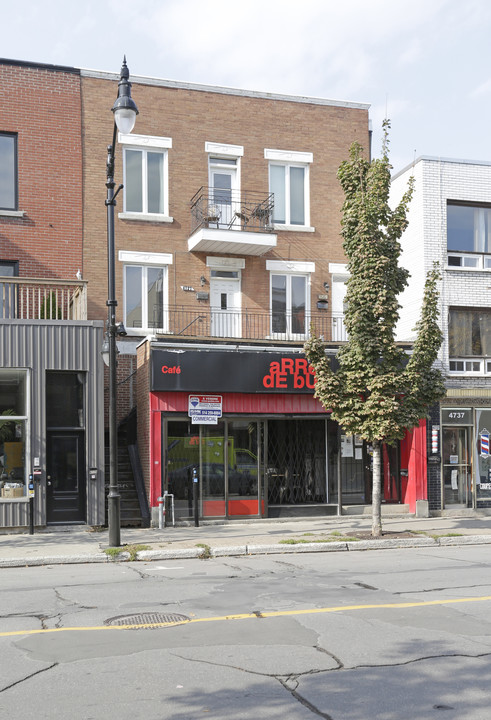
(206, 554)
(434, 536)
(330, 538)
(133, 550)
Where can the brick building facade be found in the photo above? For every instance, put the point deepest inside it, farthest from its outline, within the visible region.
(51, 381)
(227, 248)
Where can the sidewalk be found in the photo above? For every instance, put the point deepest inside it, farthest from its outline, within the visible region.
(330, 534)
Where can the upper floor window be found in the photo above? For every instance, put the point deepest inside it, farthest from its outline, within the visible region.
(468, 233)
(290, 297)
(8, 171)
(469, 339)
(145, 169)
(145, 291)
(289, 180)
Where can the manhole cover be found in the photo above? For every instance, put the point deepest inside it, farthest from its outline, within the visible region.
(150, 620)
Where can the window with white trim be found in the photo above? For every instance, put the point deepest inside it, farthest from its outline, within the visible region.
(145, 177)
(469, 340)
(289, 180)
(145, 291)
(468, 235)
(290, 298)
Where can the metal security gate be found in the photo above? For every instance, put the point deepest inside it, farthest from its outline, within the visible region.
(296, 462)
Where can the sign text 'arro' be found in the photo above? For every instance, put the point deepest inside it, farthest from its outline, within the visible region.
(202, 371)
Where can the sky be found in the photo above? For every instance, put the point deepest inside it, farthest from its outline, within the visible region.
(424, 64)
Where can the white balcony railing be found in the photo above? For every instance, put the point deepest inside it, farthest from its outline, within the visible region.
(42, 299)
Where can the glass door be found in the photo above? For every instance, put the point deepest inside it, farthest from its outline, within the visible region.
(181, 457)
(457, 470)
(212, 470)
(243, 467)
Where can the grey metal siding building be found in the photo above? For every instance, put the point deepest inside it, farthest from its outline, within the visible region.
(51, 422)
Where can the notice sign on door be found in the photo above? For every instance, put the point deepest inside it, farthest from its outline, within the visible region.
(205, 409)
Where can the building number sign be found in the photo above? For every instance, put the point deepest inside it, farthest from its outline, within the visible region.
(456, 416)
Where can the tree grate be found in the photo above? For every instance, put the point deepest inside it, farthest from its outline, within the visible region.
(147, 621)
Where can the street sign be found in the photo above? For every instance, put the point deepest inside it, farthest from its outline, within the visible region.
(205, 409)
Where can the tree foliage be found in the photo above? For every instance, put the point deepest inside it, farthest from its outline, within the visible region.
(377, 392)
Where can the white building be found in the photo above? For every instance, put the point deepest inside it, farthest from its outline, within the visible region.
(450, 223)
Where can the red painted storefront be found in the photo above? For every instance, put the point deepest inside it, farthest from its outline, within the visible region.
(405, 483)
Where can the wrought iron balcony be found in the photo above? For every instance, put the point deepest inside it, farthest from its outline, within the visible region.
(218, 214)
(207, 322)
(42, 299)
(231, 210)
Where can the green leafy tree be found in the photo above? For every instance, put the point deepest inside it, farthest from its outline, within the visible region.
(377, 391)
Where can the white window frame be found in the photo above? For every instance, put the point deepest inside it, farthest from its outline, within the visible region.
(290, 269)
(289, 159)
(146, 261)
(145, 144)
(467, 368)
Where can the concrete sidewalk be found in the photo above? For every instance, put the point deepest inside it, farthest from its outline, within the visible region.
(212, 539)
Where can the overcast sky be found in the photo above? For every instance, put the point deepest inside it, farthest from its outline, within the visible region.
(426, 64)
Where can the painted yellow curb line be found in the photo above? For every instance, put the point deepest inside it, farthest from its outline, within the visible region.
(253, 616)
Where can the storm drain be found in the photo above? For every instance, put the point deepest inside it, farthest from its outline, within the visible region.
(147, 621)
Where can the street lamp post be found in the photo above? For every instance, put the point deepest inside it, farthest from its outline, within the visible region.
(125, 112)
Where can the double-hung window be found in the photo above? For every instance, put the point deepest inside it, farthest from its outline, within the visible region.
(289, 180)
(290, 297)
(145, 290)
(146, 184)
(8, 171)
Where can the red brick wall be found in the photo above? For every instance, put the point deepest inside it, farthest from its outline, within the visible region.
(42, 105)
(190, 118)
(125, 387)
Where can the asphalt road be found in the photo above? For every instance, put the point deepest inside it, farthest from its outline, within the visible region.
(399, 634)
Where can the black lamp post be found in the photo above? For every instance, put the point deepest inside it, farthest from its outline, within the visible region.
(125, 112)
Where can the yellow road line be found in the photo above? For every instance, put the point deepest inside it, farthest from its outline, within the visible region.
(253, 616)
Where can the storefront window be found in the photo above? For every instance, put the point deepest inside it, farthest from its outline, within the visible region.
(13, 419)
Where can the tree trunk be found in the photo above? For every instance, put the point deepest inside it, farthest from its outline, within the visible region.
(376, 490)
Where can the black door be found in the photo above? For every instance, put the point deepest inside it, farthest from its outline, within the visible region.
(65, 477)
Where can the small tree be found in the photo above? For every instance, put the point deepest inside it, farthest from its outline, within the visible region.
(378, 391)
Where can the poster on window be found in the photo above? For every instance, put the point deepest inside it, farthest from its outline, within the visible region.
(347, 446)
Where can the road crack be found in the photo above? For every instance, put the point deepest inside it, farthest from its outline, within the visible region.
(303, 701)
(28, 677)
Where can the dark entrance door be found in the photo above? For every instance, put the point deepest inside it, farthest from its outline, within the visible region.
(65, 477)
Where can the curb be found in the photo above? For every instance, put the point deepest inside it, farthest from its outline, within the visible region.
(243, 550)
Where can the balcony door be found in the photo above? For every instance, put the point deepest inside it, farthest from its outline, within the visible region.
(338, 306)
(223, 190)
(225, 303)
